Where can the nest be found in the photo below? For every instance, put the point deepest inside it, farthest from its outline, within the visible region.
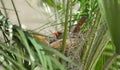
(74, 49)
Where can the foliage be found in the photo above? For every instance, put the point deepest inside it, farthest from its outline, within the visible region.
(20, 49)
(111, 15)
(96, 49)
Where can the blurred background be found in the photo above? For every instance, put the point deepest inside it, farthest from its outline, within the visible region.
(31, 14)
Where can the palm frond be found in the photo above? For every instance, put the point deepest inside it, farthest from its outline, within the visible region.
(24, 51)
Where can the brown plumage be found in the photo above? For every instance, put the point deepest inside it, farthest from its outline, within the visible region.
(71, 38)
(57, 44)
(79, 24)
(41, 38)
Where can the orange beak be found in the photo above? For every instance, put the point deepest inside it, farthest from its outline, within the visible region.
(56, 34)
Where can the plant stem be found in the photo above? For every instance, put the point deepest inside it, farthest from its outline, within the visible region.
(109, 62)
(6, 14)
(70, 24)
(65, 28)
(16, 13)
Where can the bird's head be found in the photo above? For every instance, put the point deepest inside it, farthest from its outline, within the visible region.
(58, 34)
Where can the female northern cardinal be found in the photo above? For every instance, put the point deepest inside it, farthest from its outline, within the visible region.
(59, 35)
(71, 39)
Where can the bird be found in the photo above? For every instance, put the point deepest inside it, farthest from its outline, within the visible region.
(41, 38)
(58, 43)
(34, 34)
(58, 34)
(71, 38)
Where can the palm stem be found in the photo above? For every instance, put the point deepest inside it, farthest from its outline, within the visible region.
(65, 28)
